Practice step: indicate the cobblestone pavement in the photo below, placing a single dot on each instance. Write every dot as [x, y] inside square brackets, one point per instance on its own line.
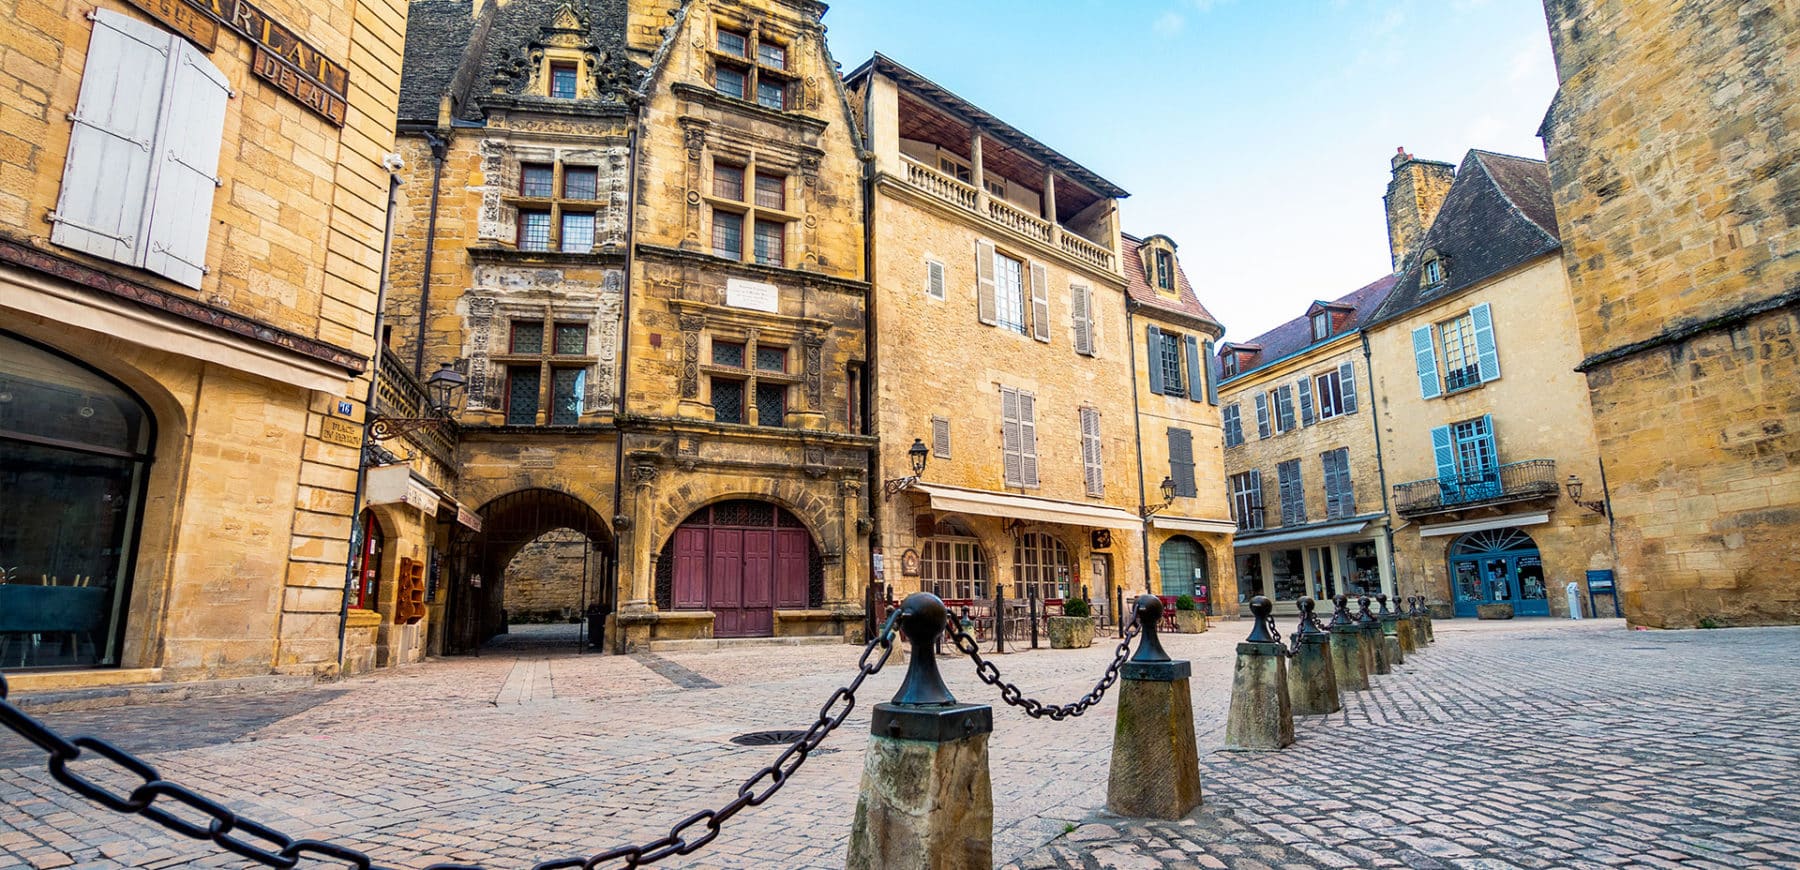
[1531, 744]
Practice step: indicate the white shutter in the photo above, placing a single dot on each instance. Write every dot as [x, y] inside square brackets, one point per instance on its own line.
[1090, 452]
[1081, 309]
[1040, 302]
[106, 179]
[984, 282]
[1009, 436]
[1028, 456]
[934, 279]
[940, 437]
[188, 164]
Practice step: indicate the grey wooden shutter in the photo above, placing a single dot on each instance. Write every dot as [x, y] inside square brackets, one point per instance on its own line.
[1347, 385]
[1292, 492]
[984, 282]
[1090, 452]
[1306, 402]
[940, 437]
[1081, 309]
[1009, 436]
[1234, 428]
[1028, 455]
[1339, 500]
[934, 279]
[1425, 360]
[1181, 462]
[1487, 354]
[182, 193]
[1256, 494]
[1212, 374]
[1196, 384]
[1153, 357]
[1262, 415]
[1040, 302]
[1284, 408]
[104, 200]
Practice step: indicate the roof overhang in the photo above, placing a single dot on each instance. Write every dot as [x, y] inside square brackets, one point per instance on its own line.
[982, 502]
[1307, 533]
[1467, 526]
[1193, 524]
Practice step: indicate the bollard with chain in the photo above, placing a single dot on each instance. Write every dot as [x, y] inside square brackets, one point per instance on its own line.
[1390, 631]
[1424, 608]
[1403, 628]
[1312, 681]
[1155, 763]
[1348, 666]
[1260, 716]
[1374, 650]
[926, 798]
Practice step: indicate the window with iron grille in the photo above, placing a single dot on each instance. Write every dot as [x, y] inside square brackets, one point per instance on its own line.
[571, 339]
[728, 400]
[581, 182]
[771, 404]
[728, 353]
[534, 231]
[527, 337]
[537, 180]
[728, 235]
[566, 395]
[548, 351]
[771, 358]
[522, 388]
[771, 237]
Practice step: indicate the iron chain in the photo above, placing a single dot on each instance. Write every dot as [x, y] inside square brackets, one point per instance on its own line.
[202, 818]
[989, 673]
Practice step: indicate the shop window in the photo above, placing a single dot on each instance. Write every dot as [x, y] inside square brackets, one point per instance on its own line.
[365, 567]
[952, 565]
[1041, 567]
[1287, 575]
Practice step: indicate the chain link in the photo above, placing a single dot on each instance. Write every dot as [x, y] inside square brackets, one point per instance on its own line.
[989, 673]
[206, 819]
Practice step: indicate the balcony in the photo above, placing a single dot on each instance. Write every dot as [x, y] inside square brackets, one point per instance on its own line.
[1518, 481]
[399, 394]
[1013, 218]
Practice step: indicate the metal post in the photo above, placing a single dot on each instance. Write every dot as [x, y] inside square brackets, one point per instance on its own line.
[1121, 611]
[1031, 599]
[999, 618]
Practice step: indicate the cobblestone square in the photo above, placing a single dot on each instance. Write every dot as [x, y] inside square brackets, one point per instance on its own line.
[1533, 743]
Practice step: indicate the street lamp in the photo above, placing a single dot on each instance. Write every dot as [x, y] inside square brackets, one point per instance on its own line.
[1168, 494]
[444, 388]
[1573, 485]
[918, 453]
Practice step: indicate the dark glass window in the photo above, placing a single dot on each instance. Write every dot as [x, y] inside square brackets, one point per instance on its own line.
[771, 359]
[771, 404]
[566, 388]
[728, 353]
[580, 182]
[728, 235]
[527, 337]
[1165, 270]
[522, 384]
[770, 236]
[534, 231]
[537, 179]
[770, 54]
[1171, 364]
[571, 339]
[734, 43]
[728, 400]
[562, 81]
[772, 95]
[728, 182]
[730, 82]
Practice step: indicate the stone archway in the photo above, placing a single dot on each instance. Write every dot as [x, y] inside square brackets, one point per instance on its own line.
[741, 560]
[511, 524]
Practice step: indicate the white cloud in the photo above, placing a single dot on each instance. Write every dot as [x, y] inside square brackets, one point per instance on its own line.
[1169, 24]
[1208, 5]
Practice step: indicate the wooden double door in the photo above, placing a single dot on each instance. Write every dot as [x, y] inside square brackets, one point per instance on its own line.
[741, 573]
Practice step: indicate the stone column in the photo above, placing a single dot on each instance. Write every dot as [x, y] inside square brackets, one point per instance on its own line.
[1347, 664]
[1260, 716]
[926, 801]
[1155, 760]
[1312, 681]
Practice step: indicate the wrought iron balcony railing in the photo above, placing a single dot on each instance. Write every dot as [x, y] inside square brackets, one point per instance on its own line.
[398, 393]
[1518, 481]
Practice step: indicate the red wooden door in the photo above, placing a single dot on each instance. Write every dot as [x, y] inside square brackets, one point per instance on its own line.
[725, 583]
[690, 569]
[758, 616]
[791, 576]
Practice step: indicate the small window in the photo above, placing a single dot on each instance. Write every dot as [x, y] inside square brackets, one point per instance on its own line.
[771, 359]
[1229, 364]
[728, 400]
[770, 247]
[771, 191]
[940, 437]
[1165, 270]
[522, 384]
[534, 231]
[730, 82]
[571, 339]
[954, 169]
[771, 404]
[728, 235]
[537, 180]
[728, 182]
[771, 55]
[1434, 272]
[566, 396]
[577, 232]
[934, 279]
[734, 43]
[527, 337]
[580, 182]
[1321, 325]
[996, 186]
[1173, 365]
[728, 353]
[562, 81]
[771, 95]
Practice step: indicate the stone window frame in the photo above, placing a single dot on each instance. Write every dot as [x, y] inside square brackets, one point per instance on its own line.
[753, 338]
[754, 163]
[547, 360]
[751, 65]
[558, 202]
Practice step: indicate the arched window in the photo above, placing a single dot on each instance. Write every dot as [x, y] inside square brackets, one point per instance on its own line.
[952, 565]
[74, 449]
[1183, 566]
[1040, 562]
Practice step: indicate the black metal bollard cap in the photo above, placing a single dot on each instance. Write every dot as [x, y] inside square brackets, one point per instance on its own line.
[1366, 615]
[922, 618]
[1309, 623]
[1382, 600]
[1149, 609]
[1260, 608]
[1340, 616]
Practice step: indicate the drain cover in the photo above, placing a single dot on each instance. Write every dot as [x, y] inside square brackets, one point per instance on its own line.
[767, 738]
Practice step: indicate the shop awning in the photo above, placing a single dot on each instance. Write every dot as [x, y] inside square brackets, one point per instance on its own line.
[1193, 524]
[1483, 525]
[398, 484]
[956, 499]
[1305, 533]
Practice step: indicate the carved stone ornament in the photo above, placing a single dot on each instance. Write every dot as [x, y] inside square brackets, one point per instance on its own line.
[690, 355]
[644, 475]
[813, 345]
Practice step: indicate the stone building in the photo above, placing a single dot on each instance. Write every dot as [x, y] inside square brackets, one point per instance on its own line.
[639, 234]
[1302, 453]
[1672, 146]
[1481, 414]
[191, 238]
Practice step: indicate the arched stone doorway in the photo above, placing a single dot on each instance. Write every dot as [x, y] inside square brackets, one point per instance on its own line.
[741, 559]
[75, 446]
[1498, 566]
[1181, 566]
[510, 524]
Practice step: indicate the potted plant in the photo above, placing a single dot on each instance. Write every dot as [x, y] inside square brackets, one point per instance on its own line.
[1074, 629]
[1188, 618]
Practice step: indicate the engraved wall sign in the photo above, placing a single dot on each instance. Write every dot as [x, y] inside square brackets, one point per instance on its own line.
[754, 295]
[285, 60]
[181, 17]
[303, 89]
[333, 430]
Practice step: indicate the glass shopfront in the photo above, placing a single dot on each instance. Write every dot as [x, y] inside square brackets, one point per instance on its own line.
[74, 450]
[1287, 573]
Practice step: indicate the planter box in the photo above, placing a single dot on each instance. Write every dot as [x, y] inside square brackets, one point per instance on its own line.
[1494, 611]
[1071, 632]
[1190, 621]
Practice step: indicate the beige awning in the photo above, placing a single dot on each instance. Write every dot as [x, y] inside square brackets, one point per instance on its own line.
[397, 484]
[956, 499]
[1484, 525]
[1193, 524]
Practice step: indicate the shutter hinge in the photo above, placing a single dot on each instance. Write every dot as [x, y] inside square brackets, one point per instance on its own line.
[161, 248]
[75, 118]
[56, 217]
[216, 180]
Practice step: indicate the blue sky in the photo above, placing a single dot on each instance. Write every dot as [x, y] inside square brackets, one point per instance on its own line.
[1256, 133]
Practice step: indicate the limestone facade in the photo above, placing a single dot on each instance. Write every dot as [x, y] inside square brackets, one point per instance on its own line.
[192, 226]
[1679, 253]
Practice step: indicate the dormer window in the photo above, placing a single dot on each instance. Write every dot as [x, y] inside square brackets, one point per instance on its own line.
[1229, 364]
[1433, 274]
[1321, 325]
[562, 81]
[1165, 270]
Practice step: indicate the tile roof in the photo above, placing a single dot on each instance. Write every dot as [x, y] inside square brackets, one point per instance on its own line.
[1497, 216]
[453, 49]
[1137, 284]
[1296, 335]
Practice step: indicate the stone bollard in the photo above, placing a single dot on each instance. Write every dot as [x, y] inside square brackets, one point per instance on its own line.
[926, 799]
[1403, 628]
[1312, 681]
[1390, 631]
[1424, 612]
[1260, 716]
[1347, 664]
[1155, 759]
[1377, 646]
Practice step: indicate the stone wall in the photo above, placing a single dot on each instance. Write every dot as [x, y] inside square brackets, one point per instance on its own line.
[1672, 149]
[545, 581]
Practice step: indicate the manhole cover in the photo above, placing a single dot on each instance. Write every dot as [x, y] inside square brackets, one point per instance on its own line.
[768, 738]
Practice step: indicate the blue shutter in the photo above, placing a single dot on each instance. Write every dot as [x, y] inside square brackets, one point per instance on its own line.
[1443, 449]
[1490, 457]
[1262, 415]
[1347, 382]
[1153, 341]
[1488, 356]
[1212, 375]
[1195, 381]
[1425, 357]
[1306, 402]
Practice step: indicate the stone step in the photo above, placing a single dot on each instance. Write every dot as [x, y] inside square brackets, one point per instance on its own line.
[99, 697]
[719, 643]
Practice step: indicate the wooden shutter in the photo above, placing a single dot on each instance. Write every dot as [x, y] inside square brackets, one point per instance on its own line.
[1196, 383]
[934, 279]
[1347, 387]
[112, 140]
[1306, 401]
[1262, 415]
[1490, 458]
[1090, 452]
[1153, 359]
[1040, 302]
[1256, 490]
[1443, 450]
[1081, 309]
[1009, 436]
[1212, 374]
[1234, 430]
[182, 198]
[1284, 489]
[1338, 497]
[940, 437]
[984, 282]
[1487, 355]
[1425, 359]
[1028, 456]
[1181, 462]
[1284, 408]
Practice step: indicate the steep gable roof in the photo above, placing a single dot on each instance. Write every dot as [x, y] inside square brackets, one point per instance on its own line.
[1137, 285]
[1497, 216]
[452, 49]
[1296, 335]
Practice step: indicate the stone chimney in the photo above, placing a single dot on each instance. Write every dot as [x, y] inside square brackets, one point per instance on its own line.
[1413, 198]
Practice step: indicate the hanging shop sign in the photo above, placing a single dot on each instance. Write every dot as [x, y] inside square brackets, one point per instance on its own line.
[182, 17]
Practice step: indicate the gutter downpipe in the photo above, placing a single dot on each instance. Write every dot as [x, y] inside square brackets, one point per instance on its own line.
[440, 148]
[362, 460]
[1380, 464]
[871, 370]
[1137, 431]
[618, 563]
